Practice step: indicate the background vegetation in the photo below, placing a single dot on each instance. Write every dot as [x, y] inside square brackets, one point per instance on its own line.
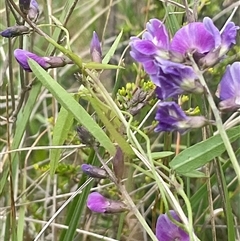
[36, 179]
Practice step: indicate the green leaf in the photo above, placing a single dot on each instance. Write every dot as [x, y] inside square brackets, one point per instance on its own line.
[60, 131]
[112, 50]
[162, 154]
[71, 105]
[110, 127]
[195, 174]
[198, 155]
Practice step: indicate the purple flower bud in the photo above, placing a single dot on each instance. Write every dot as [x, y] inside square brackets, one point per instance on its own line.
[229, 88]
[166, 230]
[95, 49]
[33, 12]
[99, 204]
[24, 5]
[22, 57]
[95, 172]
[15, 31]
[172, 118]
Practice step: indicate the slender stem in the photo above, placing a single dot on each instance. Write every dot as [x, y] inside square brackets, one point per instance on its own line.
[218, 120]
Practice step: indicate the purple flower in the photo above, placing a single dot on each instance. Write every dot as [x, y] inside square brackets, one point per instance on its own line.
[95, 172]
[166, 230]
[204, 40]
[174, 79]
[229, 88]
[172, 118]
[22, 57]
[201, 38]
[99, 204]
[95, 49]
[153, 45]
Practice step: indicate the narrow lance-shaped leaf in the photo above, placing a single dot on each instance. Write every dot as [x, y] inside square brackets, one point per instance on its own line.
[112, 50]
[71, 105]
[198, 155]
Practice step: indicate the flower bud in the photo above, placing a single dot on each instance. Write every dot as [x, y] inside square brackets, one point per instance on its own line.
[95, 172]
[95, 49]
[24, 6]
[15, 31]
[22, 57]
[33, 12]
[99, 204]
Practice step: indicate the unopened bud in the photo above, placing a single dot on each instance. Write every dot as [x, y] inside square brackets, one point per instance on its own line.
[22, 57]
[15, 31]
[99, 204]
[95, 172]
[24, 5]
[33, 12]
[95, 49]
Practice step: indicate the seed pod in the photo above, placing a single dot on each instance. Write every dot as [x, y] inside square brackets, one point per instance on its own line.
[118, 163]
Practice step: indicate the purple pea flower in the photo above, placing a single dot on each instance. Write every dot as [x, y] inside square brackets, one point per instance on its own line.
[166, 230]
[205, 40]
[174, 79]
[201, 38]
[229, 88]
[153, 45]
[95, 49]
[99, 204]
[22, 57]
[172, 118]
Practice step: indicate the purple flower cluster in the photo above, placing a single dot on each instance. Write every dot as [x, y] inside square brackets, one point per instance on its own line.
[169, 66]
